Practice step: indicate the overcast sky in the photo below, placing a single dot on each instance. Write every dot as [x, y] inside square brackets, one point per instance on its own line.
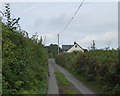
[94, 21]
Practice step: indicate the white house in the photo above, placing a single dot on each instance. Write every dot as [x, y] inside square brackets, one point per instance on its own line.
[71, 48]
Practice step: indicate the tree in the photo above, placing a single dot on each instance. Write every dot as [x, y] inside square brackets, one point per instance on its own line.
[41, 40]
[8, 14]
[35, 37]
[93, 45]
[53, 50]
[11, 22]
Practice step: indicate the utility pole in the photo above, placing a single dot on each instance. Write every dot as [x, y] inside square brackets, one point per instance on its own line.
[93, 45]
[58, 44]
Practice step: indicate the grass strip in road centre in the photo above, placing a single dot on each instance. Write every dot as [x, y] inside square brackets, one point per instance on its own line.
[65, 87]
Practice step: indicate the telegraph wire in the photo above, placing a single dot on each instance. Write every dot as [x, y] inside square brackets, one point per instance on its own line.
[72, 17]
[69, 22]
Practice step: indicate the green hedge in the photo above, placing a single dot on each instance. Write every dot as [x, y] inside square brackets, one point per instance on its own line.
[24, 64]
[99, 66]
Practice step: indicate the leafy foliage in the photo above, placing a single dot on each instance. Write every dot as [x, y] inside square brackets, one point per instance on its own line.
[101, 66]
[53, 50]
[24, 62]
[11, 22]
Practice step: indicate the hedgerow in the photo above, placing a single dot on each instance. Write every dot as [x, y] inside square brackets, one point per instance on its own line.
[101, 66]
[24, 64]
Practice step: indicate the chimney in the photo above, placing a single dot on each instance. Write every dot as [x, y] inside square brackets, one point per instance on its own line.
[75, 43]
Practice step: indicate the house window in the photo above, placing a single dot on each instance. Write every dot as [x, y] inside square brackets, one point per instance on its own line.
[75, 46]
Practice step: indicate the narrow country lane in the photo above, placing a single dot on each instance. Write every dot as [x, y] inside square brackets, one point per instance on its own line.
[52, 86]
[78, 85]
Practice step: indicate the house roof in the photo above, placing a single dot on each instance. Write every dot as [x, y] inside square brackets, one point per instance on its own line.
[79, 46]
[66, 47]
[82, 48]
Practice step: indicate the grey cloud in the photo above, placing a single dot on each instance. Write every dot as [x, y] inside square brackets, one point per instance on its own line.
[93, 20]
[52, 24]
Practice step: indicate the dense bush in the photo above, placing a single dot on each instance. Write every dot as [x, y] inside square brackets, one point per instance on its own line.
[53, 50]
[24, 62]
[99, 66]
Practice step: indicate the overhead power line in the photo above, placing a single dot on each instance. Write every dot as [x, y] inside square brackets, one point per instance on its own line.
[69, 22]
[73, 16]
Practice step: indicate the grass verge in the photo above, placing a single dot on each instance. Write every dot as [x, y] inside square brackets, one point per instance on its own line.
[94, 86]
[65, 87]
